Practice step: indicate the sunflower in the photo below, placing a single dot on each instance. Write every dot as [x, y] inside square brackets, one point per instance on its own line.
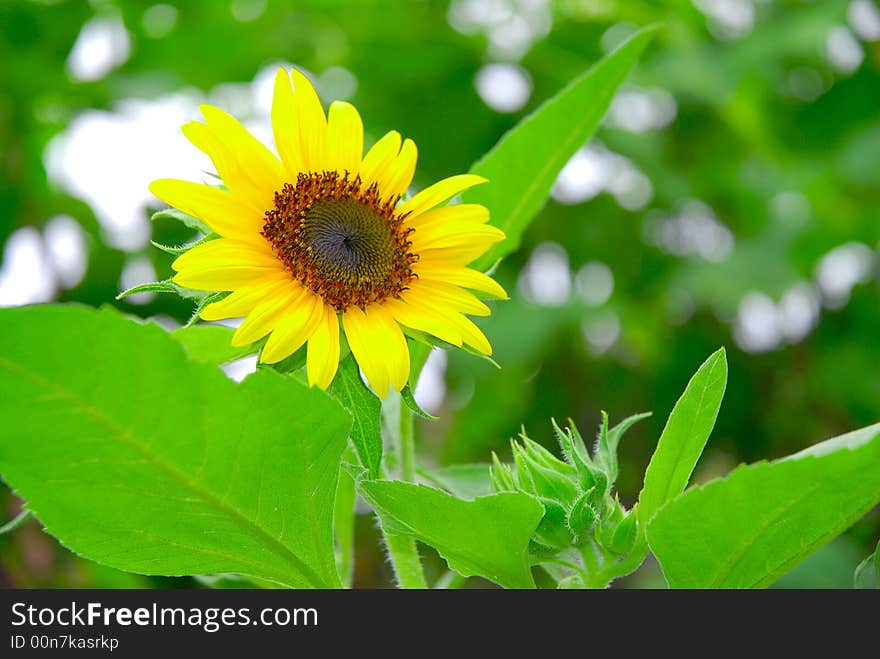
[319, 237]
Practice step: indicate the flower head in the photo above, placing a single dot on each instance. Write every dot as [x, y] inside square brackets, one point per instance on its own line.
[319, 236]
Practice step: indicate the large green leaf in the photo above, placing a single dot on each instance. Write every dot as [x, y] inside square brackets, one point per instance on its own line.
[748, 529]
[488, 536]
[211, 344]
[522, 167]
[684, 436]
[365, 408]
[136, 457]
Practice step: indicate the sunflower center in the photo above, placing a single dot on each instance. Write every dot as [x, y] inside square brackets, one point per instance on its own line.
[340, 240]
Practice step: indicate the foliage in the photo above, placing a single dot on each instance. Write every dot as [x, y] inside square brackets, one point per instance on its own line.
[732, 185]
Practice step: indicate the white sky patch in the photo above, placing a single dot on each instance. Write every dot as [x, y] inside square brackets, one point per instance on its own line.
[728, 19]
[245, 11]
[594, 283]
[511, 27]
[136, 271]
[756, 329]
[239, 369]
[843, 268]
[799, 311]
[66, 246]
[103, 44]
[594, 169]
[108, 159]
[864, 18]
[844, 51]
[503, 87]
[601, 332]
[639, 110]
[763, 326]
[26, 276]
[430, 389]
[791, 208]
[694, 231]
[546, 278]
[159, 20]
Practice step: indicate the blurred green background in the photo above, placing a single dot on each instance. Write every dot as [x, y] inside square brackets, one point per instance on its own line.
[732, 197]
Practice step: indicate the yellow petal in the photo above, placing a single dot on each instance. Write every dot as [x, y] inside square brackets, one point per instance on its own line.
[227, 251]
[470, 333]
[448, 295]
[221, 278]
[241, 302]
[454, 234]
[322, 358]
[423, 319]
[296, 326]
[476, 213]
[312, 124]
[391, 338]
[345, 134]
[285, 124]
[265, 317]
[251, 169]
[461, 255]
[439, 192]
[224, 265]
[379, 157]
[222, 212]
[465, 277]
[361, 335]
[398, 175]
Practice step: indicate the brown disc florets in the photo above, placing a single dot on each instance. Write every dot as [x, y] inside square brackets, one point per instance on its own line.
[340, 239]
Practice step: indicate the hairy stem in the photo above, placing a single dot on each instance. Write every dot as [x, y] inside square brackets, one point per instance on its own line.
[407, 444]
[402, 550]
[404, 556]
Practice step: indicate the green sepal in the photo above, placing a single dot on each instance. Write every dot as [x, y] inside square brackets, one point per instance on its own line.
[181, 249]
[610, 520]
[553, 530]
[609, 441]
[546, 482]
[503, 479]
[184, 218]
[625, 535]
[582, 517]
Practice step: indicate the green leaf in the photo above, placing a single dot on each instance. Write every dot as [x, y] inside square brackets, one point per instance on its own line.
[609, 441]
[165, 286]
[522, 167]
[343, 525]
[684, 437]
[418, 355]
[466, 481]
[487, 537]
[184, 218]
[410, 401]
[365, 408]
[748, 529]
[867, 575]
[139, 458]
[211, 344]
[181, 249]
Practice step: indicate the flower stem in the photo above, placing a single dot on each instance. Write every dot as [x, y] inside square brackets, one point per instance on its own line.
[407, 444]
[405, 560]
[402, 549]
